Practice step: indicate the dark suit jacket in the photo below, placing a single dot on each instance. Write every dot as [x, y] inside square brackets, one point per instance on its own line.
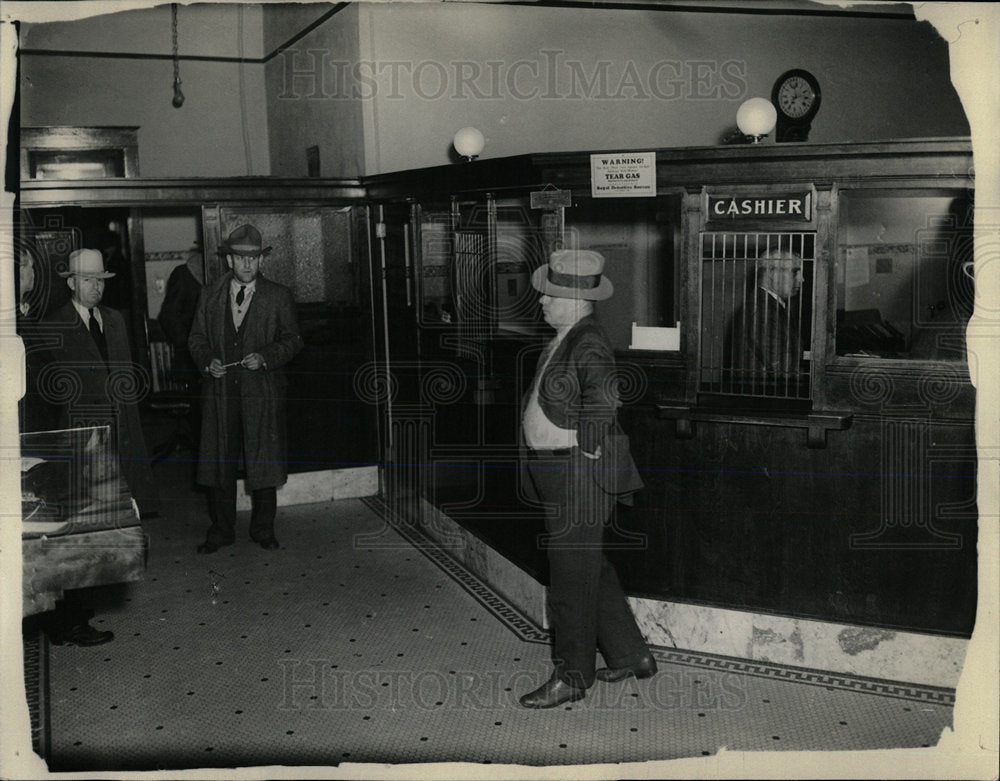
[579, 390]
[36, 414]
[269, 328]
[763, 346]
[89, 392]
[176, 316]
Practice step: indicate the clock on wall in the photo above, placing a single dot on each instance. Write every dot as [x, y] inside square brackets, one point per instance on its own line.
[796, 96]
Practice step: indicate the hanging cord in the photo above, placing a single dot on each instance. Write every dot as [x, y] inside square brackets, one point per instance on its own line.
[243, 93]
[178, 100]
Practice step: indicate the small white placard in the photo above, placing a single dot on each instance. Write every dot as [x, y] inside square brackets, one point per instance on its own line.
[623, 175]
[857, 268]
[650, 338]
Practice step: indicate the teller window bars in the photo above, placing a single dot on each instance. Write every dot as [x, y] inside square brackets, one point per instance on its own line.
[756, 314]
[474, 291]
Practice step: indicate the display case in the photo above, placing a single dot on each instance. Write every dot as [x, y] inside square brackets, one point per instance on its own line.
[79, 524]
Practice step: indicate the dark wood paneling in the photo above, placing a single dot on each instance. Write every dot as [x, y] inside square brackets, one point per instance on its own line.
[330, 425]
[169, 192]
[878, 527]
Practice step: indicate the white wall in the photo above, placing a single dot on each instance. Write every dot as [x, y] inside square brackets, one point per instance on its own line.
[881, 78]
[206, 136]
[524, 75]
[306, 105]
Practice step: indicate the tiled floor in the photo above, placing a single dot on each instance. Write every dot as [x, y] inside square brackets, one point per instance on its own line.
[350, 644]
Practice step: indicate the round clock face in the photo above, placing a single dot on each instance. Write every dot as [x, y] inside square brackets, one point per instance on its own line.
[795, 97]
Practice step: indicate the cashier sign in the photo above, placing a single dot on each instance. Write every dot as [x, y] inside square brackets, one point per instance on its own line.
[623, 175]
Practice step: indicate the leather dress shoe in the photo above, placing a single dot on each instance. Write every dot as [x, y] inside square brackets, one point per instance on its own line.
[211, 547]
[644, 668]
[269, 543]
[553, 692]
[80, 634]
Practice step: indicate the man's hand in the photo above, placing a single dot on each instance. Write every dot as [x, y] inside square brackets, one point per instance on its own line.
[216, 369]
[253, 361]
[592, 456]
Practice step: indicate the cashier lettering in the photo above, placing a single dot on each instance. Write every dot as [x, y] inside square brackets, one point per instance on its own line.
[760, 207]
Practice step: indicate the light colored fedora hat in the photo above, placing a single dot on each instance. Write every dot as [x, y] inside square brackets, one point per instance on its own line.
[573, 273]
[86, 263]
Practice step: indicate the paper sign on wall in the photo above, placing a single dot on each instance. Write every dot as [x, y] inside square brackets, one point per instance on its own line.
[623, 175]
[857, 268]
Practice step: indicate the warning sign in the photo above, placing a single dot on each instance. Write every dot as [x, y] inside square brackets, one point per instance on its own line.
[623, 175]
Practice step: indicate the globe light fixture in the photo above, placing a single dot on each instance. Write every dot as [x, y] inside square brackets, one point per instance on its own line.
[756, 118]
[469, 142]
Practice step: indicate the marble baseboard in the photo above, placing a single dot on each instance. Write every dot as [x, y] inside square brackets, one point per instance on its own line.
[908, 657]
[506, 578]
[905, 657]
[321, 486]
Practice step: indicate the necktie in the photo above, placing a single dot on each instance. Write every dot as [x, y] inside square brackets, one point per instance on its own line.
[240, 295]
[97, 334]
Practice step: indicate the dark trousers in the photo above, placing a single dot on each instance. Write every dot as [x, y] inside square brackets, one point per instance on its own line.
[68, 613]
[587, 607]
[264, 501]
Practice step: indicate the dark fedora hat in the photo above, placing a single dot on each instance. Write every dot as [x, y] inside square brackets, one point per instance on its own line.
[245, 240]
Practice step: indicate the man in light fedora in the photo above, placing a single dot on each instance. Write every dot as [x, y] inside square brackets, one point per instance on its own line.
[93, 339]
[91, 379]
[578, 465]
[244, 332]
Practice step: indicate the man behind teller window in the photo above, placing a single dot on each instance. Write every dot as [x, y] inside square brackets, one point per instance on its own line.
[578, 464]
[762, 351]
[244, 333]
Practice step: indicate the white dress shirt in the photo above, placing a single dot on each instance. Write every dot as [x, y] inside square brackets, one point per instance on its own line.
[240, 310]
[539, 431]
[85, 314]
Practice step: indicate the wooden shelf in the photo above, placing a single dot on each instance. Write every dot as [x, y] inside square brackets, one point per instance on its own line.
[816, 424]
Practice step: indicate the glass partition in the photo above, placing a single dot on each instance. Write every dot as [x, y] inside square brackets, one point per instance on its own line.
[639, 239]
[904, 274]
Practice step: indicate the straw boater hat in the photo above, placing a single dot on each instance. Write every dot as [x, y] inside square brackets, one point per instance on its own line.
[245, 240]
[573, 273]
[86, 263]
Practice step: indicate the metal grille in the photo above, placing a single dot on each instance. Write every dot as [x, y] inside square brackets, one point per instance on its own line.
[474, 290]
[756, 313]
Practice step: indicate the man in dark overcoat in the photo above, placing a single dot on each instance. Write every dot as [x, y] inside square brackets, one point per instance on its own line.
[91, 380]
[244, 332]
[177, 314]
[90, 376]
[578, 465]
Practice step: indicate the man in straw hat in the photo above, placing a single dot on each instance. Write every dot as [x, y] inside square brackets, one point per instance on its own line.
[88, 343]
[578, 464]
[244, 333]
[93, 344]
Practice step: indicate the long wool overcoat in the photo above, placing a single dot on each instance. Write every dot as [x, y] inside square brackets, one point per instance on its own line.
[87, 391]
[269, 328]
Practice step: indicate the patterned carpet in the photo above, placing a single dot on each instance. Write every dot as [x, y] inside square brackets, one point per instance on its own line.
[338, 649]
